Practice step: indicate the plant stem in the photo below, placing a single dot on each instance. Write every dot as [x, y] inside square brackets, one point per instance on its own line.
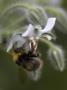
[49, 43]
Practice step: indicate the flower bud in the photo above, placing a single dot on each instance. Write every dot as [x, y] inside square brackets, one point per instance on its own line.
[56, 57]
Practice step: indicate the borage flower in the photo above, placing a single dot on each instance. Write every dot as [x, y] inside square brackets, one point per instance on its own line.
[35, 32]
[28, 41]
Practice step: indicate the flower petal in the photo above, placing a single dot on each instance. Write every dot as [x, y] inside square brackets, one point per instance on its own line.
[9, 47]
[17, 38]
[29, 31]
[49, 26]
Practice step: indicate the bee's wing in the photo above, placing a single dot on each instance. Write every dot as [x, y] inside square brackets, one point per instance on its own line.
[35, 75]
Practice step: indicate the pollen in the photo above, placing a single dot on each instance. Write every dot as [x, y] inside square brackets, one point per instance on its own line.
[15, 56]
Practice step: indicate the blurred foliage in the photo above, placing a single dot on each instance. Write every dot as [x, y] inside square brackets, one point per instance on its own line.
[15, 15]
[64, 4]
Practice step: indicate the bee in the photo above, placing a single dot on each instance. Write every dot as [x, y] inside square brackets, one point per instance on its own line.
[30, 60]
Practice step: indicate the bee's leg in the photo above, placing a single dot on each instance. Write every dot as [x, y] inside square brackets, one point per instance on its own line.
[18, 62]
[36, 54]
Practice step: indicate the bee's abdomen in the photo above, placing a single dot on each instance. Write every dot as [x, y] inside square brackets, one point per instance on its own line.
[32, 64]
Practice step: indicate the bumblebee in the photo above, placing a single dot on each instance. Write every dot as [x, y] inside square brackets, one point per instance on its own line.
[28, 58]
[28, 61]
